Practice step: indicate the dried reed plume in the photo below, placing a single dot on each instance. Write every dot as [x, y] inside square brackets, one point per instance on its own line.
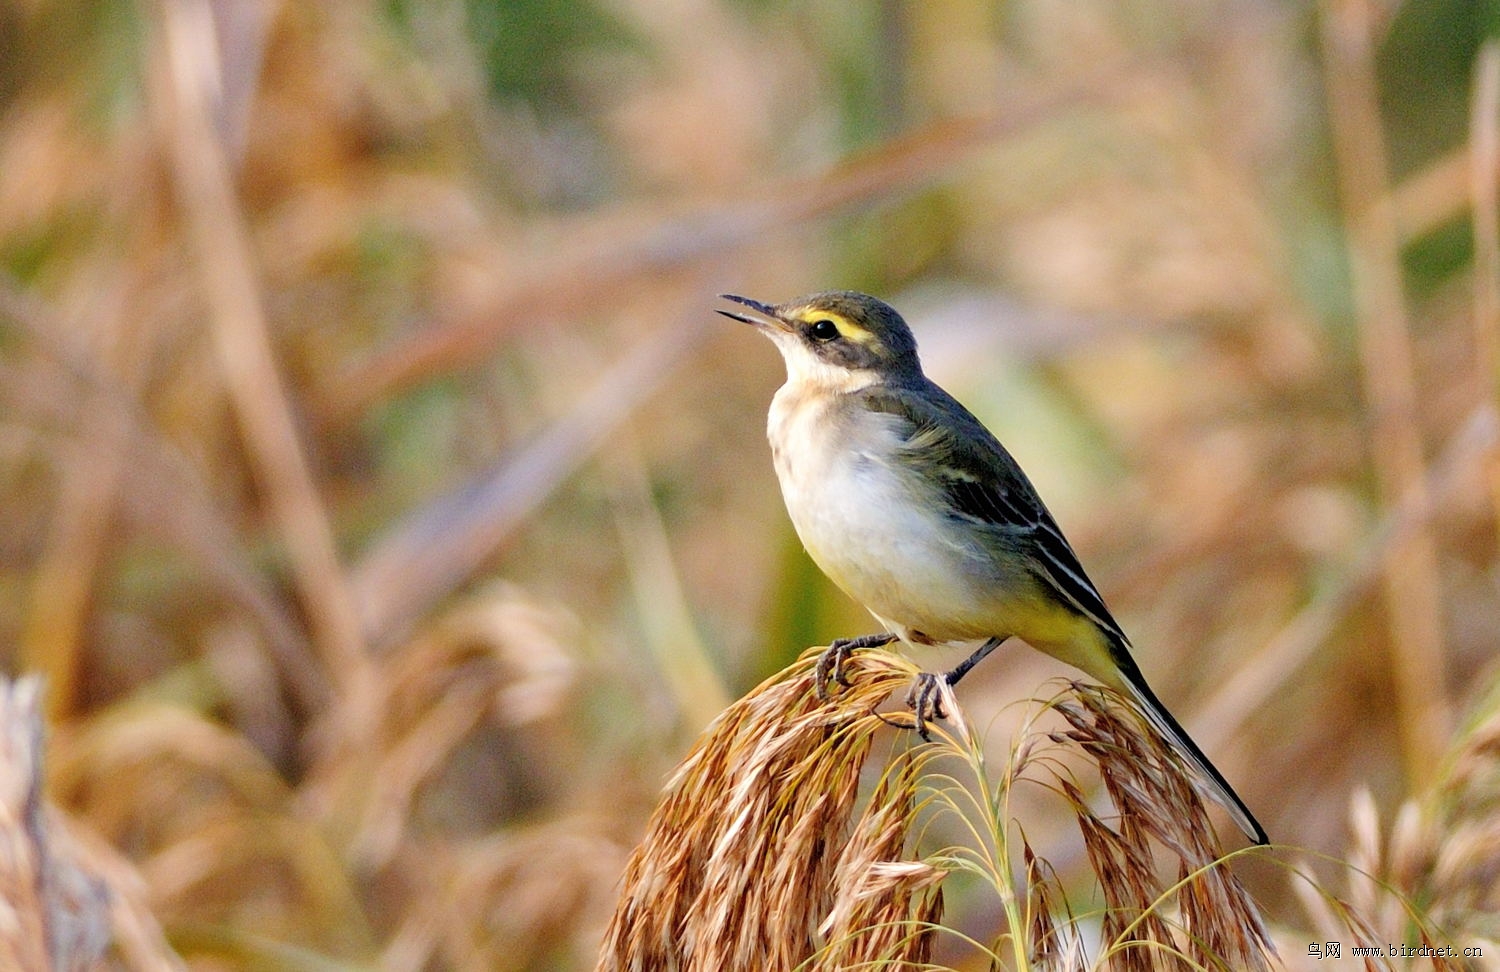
[1217, 923]
[1463, 872]
[1430, 877]
[754, 859]
[762, 854]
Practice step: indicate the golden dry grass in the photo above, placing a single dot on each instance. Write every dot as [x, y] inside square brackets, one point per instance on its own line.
[765, 853]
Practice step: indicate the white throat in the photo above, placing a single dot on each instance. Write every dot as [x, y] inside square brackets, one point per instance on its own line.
[806, 373]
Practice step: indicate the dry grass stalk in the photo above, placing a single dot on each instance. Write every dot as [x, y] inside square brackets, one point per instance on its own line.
[61, 899]
[755, 859]
[1413, 589]
[240, 328]
[1218, 924]
[51, 915]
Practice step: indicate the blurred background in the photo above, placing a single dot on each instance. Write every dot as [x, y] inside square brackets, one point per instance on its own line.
[388, 510]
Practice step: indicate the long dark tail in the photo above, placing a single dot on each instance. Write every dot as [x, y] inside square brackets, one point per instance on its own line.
[1161, 720]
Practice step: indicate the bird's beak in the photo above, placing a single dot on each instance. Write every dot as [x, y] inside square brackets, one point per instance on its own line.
[765, 317]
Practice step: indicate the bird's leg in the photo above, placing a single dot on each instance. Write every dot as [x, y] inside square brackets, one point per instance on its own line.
[831, 663]
[962, 668]
[925, 697]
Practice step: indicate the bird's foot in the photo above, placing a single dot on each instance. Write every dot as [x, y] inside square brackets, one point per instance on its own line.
[830, 667]
[925, 699]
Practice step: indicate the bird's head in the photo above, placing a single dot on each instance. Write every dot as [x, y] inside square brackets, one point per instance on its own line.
[838, 340]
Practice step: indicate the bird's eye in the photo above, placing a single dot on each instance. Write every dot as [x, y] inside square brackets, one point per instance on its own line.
[824, 330]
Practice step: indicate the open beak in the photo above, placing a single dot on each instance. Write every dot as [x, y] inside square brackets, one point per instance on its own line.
[766, 316]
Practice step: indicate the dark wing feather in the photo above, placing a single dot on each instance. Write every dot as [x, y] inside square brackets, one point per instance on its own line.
[985, 484]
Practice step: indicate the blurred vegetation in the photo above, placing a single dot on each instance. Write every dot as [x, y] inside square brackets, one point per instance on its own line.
[387, 510]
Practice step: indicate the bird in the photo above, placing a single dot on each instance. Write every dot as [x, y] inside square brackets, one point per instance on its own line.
[915, 510]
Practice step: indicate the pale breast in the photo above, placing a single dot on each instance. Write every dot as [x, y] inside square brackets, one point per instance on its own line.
[876, 528]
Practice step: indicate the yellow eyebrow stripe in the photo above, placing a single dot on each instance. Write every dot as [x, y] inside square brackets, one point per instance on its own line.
[847, 328]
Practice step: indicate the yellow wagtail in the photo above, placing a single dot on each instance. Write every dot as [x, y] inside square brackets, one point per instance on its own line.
[916, 511]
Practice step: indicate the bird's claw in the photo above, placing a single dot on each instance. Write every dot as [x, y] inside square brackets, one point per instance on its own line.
[830, 668]
[925, 699]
